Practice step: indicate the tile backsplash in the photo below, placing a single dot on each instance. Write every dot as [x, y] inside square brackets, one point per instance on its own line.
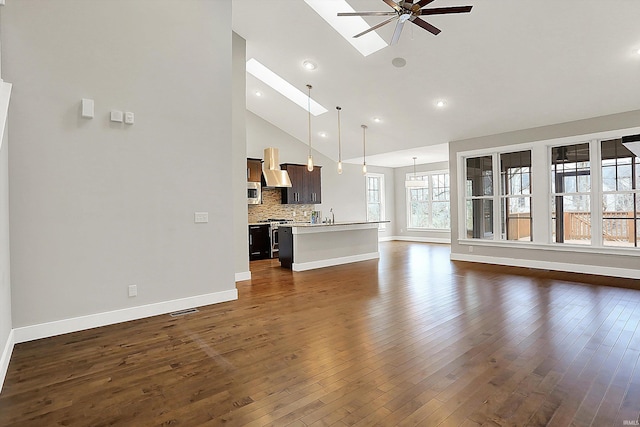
[272, 207]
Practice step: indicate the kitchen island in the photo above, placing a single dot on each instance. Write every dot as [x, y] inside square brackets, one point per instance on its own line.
[305, 246]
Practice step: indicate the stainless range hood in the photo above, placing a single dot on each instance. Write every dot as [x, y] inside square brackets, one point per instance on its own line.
[273, 175]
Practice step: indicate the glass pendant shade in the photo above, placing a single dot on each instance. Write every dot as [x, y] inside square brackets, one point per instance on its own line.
[414, 182]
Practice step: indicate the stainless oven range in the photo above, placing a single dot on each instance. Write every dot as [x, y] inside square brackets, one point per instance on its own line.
[273, 226]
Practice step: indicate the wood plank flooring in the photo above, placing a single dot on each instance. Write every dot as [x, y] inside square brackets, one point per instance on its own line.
[411, 339]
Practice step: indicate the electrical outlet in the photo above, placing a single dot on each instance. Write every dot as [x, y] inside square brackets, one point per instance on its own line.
[133, 290]
[470, 248]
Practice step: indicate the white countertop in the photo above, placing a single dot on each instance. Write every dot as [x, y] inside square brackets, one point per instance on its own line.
[333, 224]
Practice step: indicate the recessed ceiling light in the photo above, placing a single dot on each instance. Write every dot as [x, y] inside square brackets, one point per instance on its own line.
[309, 65]
[440, 103]
[279, 84]
[399, 62]
[258, 93]
[638, 51]
[377, 119]
[348, 26]
[323, 134]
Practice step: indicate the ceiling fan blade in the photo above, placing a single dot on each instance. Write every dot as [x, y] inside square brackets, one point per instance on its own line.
[423, 3]
[366, 13]
[445, 10]
[397, 31]
[394, 5]
[375, 27]
[424, 24]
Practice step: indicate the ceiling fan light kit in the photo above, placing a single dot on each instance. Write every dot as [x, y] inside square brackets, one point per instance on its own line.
[407, 10]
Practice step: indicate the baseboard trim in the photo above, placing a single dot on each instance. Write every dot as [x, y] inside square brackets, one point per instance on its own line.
[423, 239]
[546, 265]
[49, 329]
[243, 275]
[6, 358]
[304, 266]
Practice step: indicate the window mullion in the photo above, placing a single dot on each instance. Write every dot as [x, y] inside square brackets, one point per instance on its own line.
[596, 193]
[497, 207]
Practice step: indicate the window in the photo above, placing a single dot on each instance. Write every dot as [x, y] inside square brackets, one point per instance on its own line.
[479, 197]
[571, 190]
[428, 206]
[375, 197]
[515, 180]
[620, 201]
[513, 173]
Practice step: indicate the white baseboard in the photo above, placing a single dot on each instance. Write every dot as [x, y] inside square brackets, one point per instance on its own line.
[6, 357]
[423, 239]
[547, 265]
[49, 329]
[243, 275]
[304, 266]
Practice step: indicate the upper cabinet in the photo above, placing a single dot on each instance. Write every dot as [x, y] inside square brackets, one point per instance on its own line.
[306, 187]
[254, 170]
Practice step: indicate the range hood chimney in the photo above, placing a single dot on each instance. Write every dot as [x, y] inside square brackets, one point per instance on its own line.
[273, 175]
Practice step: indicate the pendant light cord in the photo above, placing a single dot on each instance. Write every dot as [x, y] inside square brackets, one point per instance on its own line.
[309, 111]
[339, 141]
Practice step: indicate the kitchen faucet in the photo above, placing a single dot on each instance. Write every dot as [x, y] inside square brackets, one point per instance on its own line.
[333, 216]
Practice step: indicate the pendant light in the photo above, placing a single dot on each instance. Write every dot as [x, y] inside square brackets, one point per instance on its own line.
[339, 144]
[310, 158]
[364, 150]
[414, 182]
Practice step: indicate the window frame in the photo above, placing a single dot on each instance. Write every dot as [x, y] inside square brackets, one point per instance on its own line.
[430, 201]
[382, 190]
[541, 191]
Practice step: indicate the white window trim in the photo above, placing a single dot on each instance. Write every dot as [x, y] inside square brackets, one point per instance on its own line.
[407, 201]
[541, 209]
[383, 205]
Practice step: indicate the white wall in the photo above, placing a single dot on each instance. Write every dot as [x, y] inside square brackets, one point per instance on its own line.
[239, 138]
[548, 256]
[438, 236]
[97, 205]
[344, 193]
[6, 344]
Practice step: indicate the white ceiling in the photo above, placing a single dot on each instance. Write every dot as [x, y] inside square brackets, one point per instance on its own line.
[504, 66]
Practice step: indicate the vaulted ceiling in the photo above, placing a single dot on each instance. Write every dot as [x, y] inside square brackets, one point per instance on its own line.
[504, 66]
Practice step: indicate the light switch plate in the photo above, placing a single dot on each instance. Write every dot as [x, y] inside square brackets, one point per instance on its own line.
[128, 118]
[87, 108]
[116, 116]
[200, 217]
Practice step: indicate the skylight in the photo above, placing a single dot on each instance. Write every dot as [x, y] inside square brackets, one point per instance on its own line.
[276, 82]
[348, 26]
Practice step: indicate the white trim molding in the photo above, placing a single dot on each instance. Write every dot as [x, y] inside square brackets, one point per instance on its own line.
[58, 327]
[6, 357]
[304, 266]
[243, 275]
[547, 265]
[423, 239]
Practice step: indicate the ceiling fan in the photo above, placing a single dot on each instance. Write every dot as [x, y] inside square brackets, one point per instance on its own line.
[407, 10]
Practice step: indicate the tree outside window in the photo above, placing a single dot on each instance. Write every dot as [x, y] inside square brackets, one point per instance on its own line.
[428, 206]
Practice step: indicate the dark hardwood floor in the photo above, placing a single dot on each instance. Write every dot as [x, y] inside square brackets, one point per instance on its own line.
[410, 339]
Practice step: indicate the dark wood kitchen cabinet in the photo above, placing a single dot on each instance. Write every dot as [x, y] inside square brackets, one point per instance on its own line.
[254, 170]
[306, 187]
[259, 242]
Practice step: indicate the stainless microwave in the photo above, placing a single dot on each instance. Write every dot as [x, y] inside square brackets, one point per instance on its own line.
[254, 193]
